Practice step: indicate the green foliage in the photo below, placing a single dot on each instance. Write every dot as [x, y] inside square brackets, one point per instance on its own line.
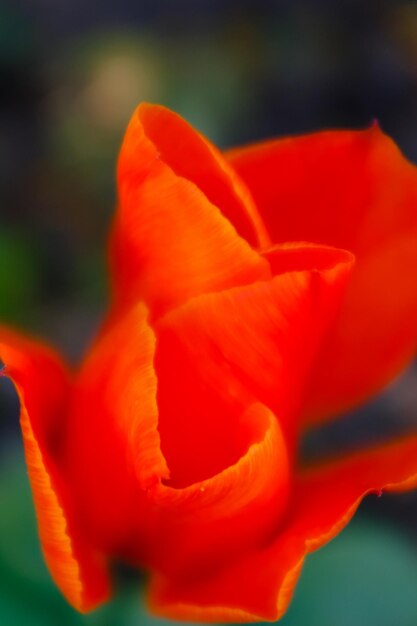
[19, 276]
[366, 577]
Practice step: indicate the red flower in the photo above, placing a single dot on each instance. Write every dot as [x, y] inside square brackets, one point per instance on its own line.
[175, 446]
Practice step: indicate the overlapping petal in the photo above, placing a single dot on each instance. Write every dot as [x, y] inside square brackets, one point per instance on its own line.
[113, 442]
[42, 384]
[129, 505]
[356, 191]
[200, 527]
[193, 157]
[172, 238]
[221, 352]
[324, 499]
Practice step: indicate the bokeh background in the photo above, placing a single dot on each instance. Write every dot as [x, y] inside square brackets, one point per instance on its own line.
[71, 73]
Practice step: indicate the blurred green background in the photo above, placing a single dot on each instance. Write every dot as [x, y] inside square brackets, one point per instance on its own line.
[71, 74]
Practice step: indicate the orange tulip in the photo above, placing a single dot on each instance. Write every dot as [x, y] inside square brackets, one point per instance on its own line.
[253, 294]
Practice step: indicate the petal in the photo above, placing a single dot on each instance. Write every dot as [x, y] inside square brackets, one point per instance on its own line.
[353, 190]
[374, 336]
[193, 157]
[221, 352]
[304, 257]
[113, 442]
[42, 383]
[200, 527]
[260, 586]
[130, 506]
[170, 240]
[322, 187]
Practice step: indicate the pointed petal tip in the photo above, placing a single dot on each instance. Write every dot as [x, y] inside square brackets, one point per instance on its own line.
[163, 157]
[42, 384]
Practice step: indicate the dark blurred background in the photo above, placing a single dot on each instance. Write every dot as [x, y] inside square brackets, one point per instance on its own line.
[71, 73]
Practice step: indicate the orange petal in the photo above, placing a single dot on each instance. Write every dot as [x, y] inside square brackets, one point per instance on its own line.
[131, 507]
[42, 383]
[220, 352]
[352, 190]
[260, 586]
[170, 240]
[304, 257]
[210, 522]
[193, 157]
[113, 441]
